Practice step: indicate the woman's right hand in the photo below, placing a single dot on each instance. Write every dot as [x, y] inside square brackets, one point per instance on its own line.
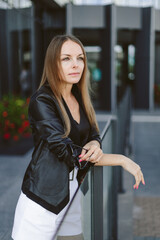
[135, 170]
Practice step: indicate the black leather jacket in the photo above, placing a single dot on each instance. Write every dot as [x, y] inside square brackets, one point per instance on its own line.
[46, 179]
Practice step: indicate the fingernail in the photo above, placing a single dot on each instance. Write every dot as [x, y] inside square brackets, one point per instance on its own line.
[80, 160]
[80, 155]
[144, 183]
[137, 187]
[134, 187]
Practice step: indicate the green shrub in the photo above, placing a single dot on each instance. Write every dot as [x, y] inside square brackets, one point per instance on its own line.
[14, 124]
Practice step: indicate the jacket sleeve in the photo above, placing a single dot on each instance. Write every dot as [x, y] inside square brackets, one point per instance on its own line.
[94, 135]
[47, 122]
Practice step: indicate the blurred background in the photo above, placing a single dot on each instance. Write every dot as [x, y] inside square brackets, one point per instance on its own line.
[122, 41]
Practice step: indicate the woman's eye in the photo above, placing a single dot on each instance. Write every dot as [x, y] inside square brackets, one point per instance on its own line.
[65, 59]
[81, 58]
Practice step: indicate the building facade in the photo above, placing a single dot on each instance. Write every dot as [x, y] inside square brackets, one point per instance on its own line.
[122, 45]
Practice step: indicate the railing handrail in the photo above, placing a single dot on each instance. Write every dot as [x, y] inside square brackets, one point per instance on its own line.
[102, 135]
[106, 128]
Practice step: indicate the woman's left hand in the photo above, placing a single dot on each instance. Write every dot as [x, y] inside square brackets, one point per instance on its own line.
[135, 170]
[93, 154]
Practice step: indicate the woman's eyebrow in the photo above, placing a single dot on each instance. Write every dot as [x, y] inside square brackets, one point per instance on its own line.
[70, 55]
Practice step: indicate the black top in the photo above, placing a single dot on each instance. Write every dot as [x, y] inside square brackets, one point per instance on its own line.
[78, 130]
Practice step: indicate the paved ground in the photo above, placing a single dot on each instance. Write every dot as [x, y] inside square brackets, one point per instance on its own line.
[139, 210]
[146, 210]
[11, 174]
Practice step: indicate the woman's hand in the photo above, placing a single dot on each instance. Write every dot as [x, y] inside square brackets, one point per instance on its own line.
[93, 154]
[135, 170]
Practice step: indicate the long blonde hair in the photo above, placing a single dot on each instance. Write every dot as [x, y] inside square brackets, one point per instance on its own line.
[51, 73]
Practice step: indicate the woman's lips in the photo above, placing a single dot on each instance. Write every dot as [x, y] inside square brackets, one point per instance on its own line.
[74, 74]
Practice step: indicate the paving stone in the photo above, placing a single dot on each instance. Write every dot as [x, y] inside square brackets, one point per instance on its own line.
[5, 235]
[138, 238]
[11, 174]
[146, 216]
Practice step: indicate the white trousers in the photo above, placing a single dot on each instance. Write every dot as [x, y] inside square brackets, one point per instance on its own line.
[33, 222]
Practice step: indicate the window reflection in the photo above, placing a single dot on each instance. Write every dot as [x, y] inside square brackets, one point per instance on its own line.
[15, 4]
[15, 39]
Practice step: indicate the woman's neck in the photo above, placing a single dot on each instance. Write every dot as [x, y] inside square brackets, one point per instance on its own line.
[66, 91]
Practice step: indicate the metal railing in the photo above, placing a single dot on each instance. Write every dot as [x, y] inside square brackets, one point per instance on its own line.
[100, 187]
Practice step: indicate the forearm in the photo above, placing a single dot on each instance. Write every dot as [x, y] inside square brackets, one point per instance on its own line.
[111, 160]
[117, 160]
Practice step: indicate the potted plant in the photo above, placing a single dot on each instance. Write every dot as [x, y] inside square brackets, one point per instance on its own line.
[14, 124]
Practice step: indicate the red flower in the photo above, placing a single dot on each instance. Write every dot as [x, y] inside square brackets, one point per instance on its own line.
[25, 123]
[20, 130]
[5, 114]
[28, 100]
[6, 136]
[15, 138]
[12, 125]
[23, 116]
[7, 122]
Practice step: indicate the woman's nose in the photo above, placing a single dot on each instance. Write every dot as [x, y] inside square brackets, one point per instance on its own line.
[75, 64]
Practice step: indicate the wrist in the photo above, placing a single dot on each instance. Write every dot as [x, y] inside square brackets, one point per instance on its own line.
[123, 161]
[94, 142]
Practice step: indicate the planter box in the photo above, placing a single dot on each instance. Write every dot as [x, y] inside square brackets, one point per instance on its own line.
[16, 148]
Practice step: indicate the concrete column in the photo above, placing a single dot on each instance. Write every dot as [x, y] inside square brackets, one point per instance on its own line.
[9, 51]
[109, 39]
[69, 18]
[37, 45]
[3, 55]
[145, 59]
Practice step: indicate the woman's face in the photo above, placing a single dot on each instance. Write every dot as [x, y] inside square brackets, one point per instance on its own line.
[72, 62]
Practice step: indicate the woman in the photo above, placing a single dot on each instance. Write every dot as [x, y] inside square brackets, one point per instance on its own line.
[67, 143]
